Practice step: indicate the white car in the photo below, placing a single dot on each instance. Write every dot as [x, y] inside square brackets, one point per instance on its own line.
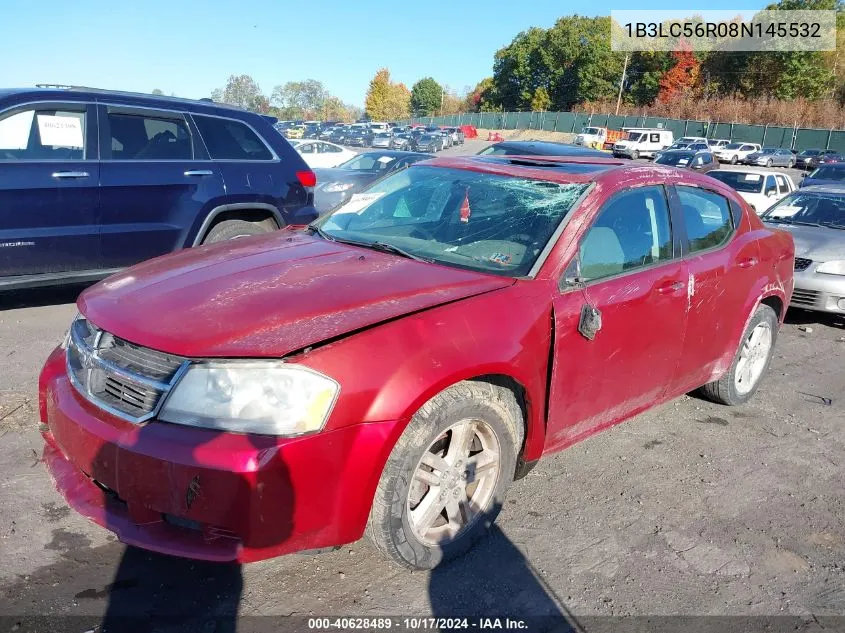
[734, 152]
[761, 188]
[718, 143]
[321, 153]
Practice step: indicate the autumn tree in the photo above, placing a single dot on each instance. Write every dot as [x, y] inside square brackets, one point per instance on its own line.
[682, 77]
[300, 99]
[482, 98]
[541, 101]
[385, 100]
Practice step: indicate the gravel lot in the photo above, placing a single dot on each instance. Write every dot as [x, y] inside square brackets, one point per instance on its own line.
[691, 509]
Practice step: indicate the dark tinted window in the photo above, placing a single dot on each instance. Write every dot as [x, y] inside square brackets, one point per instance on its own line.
[707, 217]
[828, 173]
[231, 140]
[149, 138]
[42, 135]
[631, 231]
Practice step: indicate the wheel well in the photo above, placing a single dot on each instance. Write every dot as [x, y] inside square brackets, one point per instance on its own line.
[507, 382]
[776, 304]
[259, 216]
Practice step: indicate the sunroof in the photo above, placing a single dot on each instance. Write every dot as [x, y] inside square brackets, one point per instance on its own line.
[568, 167]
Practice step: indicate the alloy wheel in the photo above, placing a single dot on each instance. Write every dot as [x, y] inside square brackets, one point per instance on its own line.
[753, 358]
[454, 481]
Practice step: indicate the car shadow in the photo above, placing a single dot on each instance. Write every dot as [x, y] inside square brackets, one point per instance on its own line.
[40, 297]
[495, 580]
[797, 316]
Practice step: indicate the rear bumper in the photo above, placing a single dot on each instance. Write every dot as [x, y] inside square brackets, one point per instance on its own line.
[205, 494]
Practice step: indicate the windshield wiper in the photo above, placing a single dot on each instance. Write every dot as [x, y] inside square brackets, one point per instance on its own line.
[316, 229]
[390, 248]
[791, 221]
[833, 225]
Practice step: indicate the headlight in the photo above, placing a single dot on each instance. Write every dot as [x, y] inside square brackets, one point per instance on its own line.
[836, 267]
[264, 397]
[337, 187]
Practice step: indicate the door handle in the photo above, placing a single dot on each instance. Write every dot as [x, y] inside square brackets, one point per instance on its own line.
[672, 287]
[199, 172]
[70, 174]
[747, 263]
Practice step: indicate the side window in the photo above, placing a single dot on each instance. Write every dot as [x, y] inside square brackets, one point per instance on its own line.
[782, 186]
[307, 148]
[698, 160]
[631, 231]
[149, 138]
[330, 149]
[770, 185]
[655, 138]
[707, 217]
[227, 139]
[43, 134]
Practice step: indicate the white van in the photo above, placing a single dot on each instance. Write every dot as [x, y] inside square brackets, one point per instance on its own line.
[379, 126]
[643, 142]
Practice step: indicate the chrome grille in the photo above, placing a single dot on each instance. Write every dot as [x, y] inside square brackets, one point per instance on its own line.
[121, 377]
[802, 263]
[804, 297]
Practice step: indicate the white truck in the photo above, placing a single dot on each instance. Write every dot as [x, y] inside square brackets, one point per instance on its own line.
[643, 142]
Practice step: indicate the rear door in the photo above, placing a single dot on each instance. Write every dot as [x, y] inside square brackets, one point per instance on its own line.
[252, 170]
[48, 189]
[635, 277]
[723, 261]
[155, 180]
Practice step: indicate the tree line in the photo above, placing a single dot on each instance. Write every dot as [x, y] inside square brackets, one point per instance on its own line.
[571, 66]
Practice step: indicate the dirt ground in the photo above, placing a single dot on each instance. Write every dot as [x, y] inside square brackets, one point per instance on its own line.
[692, 509]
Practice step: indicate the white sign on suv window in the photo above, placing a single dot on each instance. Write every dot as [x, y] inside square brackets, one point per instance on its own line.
[60, 131]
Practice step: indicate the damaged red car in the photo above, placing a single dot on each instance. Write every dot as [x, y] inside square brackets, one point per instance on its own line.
[395, 367]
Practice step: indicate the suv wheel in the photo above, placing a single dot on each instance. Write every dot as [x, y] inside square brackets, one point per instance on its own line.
[233, 229]
[750, 363]
[734, 159]
[445, 480]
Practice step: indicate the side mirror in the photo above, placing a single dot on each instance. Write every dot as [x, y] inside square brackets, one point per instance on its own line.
[571, 276]
[771, 193]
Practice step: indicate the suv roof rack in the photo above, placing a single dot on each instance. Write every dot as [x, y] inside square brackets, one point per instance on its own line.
[128, 93]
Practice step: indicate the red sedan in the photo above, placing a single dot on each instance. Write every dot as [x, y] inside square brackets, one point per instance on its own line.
[396, 367]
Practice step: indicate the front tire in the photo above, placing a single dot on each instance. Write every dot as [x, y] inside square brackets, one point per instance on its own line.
[445, 480]
[750, 363]
[769, 163]
[734, 160]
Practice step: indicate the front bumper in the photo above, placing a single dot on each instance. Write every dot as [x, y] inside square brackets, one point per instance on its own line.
[814, 291]
[206, 494]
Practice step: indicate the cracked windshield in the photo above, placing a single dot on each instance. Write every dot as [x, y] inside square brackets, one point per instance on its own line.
[455, 217]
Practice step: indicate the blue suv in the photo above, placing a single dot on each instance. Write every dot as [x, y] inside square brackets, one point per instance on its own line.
[92, 181]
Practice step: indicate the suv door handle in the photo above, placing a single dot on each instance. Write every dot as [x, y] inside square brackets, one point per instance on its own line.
[70, 174]
[747, 263]
[199, 172]
[671, 287]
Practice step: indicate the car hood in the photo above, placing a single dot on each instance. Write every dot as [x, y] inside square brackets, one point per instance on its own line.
[269, 296]
[818, 243]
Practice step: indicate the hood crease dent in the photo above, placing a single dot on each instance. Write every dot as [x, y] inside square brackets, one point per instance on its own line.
[269, 296]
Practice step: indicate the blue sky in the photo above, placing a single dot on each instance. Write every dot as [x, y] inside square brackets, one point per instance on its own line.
[191, 48]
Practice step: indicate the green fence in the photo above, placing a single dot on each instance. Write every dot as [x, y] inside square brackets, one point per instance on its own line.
[573, 122]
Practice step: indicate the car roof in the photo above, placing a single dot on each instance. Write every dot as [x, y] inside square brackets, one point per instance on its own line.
[549, 148]
[750, 170]
[560, 169]
[59, 92]
[831, 188]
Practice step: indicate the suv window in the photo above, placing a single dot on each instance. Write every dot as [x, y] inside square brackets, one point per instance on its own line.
[631, 231]
[227, 139]
[43, 134]
[707, 217]
[136, 137]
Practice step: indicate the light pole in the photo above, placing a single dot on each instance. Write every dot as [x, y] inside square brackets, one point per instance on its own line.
[621, 83]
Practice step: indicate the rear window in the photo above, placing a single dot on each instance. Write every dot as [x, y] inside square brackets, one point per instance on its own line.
[739, 180]
[227, 139]
[827, 172]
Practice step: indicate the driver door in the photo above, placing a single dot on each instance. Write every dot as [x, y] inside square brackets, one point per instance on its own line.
[629, 268]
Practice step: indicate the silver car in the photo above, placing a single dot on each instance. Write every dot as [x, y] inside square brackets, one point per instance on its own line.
[771, 156]
[816, 218]
[382, 139]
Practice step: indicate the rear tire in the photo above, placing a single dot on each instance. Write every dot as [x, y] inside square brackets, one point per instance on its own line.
[233, 229]
[750, 363]
[769, 163]
[461, 446]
